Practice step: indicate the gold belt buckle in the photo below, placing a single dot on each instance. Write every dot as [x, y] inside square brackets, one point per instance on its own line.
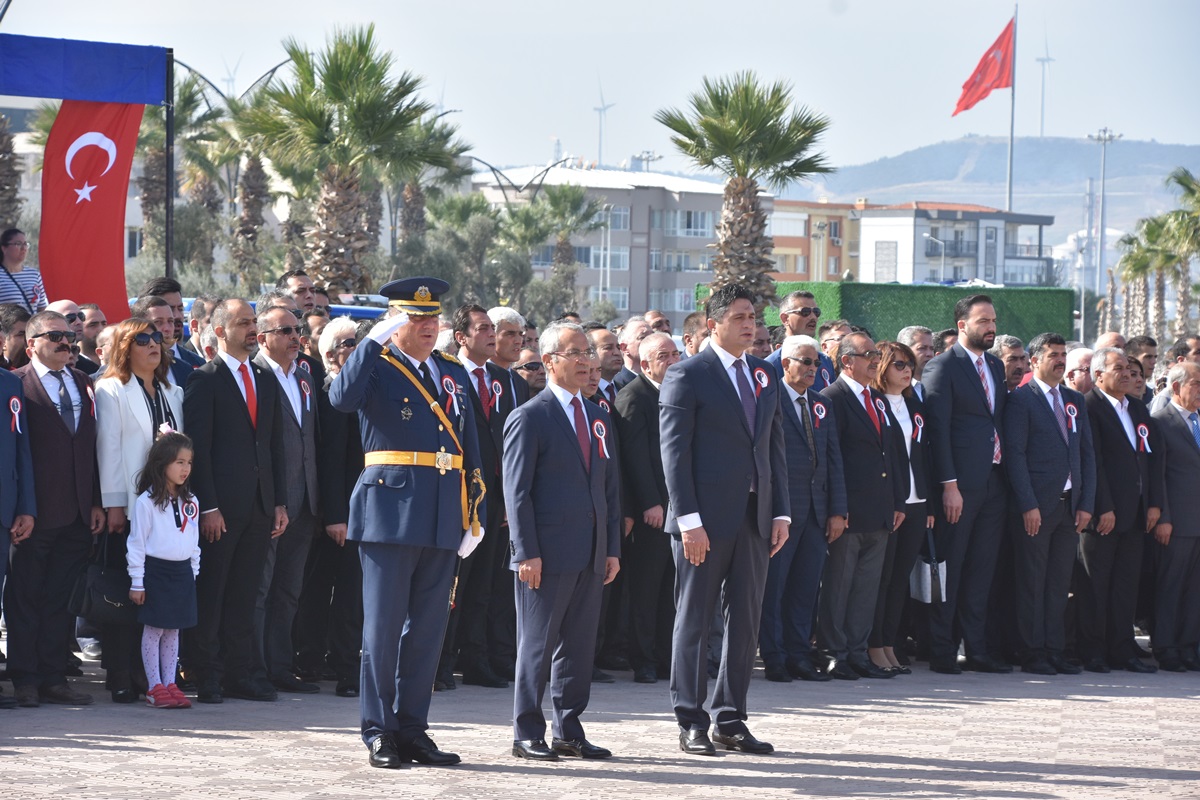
[443, 461]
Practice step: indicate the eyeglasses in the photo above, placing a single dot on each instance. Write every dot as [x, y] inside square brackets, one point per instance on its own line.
[346, 343]
[22, 245]
[808, 362]
[815, 311]
[56, 336]
[577, 355]
[73, 317]
[871, 354]
[286, 330]
[530, 366]
[831, 340]
[903, 365]
[144, 339]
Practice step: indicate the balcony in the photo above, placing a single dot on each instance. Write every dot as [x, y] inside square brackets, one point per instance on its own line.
[955, 248]
[1027, 251]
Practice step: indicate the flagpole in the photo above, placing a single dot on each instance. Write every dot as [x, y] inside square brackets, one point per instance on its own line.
[1012, 115]
[169, 210]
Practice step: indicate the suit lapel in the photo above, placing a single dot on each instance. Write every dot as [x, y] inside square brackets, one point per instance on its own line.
[36, 390]
[560, 416]
[860, 412]
[725, 387]
[226, 375]
[135, 400]
[968, 367]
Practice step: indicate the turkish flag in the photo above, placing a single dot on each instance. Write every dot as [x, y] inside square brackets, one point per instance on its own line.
[85, 183]
[995, 71]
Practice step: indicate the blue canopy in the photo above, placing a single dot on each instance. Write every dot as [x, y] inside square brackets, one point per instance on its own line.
[32, 66]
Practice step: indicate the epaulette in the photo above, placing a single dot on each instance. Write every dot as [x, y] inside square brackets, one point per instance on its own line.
[447, 357]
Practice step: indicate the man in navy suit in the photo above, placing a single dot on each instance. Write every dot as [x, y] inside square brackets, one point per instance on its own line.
[18, 506]
[562, 492]
[964, 398]
[817, 490]
[799, 314]
[412, 511]
[1052, 469]
[725, 462]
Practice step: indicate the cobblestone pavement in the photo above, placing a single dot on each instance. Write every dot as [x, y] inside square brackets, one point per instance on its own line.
[918, 736]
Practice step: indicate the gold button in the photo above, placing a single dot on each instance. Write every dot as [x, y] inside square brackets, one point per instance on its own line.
[406, 399]
[440, 428]
[442, 449]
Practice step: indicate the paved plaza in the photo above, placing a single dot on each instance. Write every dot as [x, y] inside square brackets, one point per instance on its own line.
[920, 736]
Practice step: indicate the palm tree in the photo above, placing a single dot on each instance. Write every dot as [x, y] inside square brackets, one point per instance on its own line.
[435, 166]
[341, 117]
[10, 178]
[1183, 227]
[1151, 250]
[750, 133]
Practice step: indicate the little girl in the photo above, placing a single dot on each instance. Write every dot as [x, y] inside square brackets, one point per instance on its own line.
[164, 559]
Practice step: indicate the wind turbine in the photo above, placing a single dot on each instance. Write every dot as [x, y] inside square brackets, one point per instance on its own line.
[601, 110]
[1045, 62]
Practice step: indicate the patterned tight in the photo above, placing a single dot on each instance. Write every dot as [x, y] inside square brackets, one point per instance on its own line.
[160, 653]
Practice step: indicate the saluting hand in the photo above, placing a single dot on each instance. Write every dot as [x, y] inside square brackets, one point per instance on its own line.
[695, 545]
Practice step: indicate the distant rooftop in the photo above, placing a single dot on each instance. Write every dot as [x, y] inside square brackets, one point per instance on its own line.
[602, 179]
[926, 205]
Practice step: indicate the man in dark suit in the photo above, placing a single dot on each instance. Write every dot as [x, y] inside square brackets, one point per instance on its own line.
[632, 333]
[964, 397]
[649, 567]
[1177, 603]
[1052, 470]
[74, 316]
[608, 351]
[877, 495]
[231, 407]
[169, 289]
[919, 339]
[724, 458]
[817, 490]
[563, 497]
[799, 315]
[18, 505]
[279, 596]
[61, 424]
[1129, 497]
[416, 507]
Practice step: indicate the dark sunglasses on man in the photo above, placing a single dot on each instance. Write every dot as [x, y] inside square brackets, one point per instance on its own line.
[73, 317]
[808, 362]
[144, 338]
[530, 366]
[55, 336]
[815, 311]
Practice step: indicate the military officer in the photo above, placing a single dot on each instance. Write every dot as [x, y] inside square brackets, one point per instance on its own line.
[416, 504]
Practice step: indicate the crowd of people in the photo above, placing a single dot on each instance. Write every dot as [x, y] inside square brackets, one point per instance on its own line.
[451, 495]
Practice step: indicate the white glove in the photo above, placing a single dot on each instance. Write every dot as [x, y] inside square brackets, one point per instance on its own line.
[384, 329]
[469, 543]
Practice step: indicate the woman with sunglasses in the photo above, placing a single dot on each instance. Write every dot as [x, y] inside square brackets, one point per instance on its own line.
[135, 400]
[19, 284]
[894, 379]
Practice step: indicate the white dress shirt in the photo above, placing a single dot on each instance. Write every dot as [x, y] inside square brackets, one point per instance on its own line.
[564, 399]
[987, 372]
[900, 412]
[235, 367]
[1122, 408]
[52, 386]
[287, 382]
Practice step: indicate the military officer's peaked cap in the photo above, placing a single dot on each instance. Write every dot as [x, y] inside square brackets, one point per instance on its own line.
[420, 297]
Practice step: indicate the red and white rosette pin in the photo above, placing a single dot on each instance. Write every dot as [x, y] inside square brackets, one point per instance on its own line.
[819, 413]
[882, 409]
[1143, 438]
[761, 379]
[601, 432]
[918, 427]
[604, 404]
[92, 398]
[190, 512]
[307, 390]
[14, 405]
[497, 390]
[451, 390]
[825, 375]
[1072, 412]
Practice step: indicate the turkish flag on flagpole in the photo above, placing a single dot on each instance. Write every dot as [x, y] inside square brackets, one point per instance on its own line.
[995, 71]
[85, 183]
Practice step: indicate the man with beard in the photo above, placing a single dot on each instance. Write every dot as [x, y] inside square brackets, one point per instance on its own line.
[170, 290]
[965, 399]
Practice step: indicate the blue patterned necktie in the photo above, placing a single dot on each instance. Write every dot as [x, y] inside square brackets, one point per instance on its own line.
[1194, 419]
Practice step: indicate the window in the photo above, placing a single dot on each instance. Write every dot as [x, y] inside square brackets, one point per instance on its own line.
[677, 261]
[133, 239]
[834, 265]
[698, 224]
[656, 219]
[544, 256]
[835, 228]
[885, 261]
[618, 258]
[617, 295]
[655, 260]
[673, 299]
[618, 218]
[801, 265]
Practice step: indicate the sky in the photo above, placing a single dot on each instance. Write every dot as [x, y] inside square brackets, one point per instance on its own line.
[520, 75]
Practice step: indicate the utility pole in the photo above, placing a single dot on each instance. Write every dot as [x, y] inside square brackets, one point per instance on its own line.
[1103, 137]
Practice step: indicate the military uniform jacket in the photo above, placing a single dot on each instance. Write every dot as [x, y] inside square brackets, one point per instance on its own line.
[402, 504]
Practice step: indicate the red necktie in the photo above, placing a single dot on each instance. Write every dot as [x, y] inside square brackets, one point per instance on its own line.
[871, 411]
[581, 433]
[485, 397]
[612, 394]
[251, 399]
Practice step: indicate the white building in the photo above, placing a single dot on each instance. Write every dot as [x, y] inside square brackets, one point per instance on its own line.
[924, 242]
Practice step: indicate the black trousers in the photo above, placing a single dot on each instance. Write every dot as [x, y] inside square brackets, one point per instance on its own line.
[223, 644]
[43, 571]
[1108, 597]
[904, 544]
[480, 582]
[329, 622]
[1177, 610]
[650, 577]
[121, 645]
[1044, 564]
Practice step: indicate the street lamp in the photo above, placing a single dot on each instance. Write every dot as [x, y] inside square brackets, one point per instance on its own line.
[932, 238]
[1103, 137]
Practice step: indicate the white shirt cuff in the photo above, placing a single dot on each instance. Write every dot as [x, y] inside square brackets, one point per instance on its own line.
[788, 520]
[689, 522]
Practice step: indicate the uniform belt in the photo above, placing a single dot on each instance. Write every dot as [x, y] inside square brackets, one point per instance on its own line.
[442, 461]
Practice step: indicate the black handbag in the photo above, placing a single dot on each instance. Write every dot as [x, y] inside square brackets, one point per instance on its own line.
[927, 582]
[101, 593]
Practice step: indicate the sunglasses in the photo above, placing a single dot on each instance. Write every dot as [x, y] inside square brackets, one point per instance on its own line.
[871, 354]
[808, 362]
[73, 317]
[345, 343]
[903, 365]
[815, 311]
[530, 366]
[55, 336]
[144, 339]
[286, 330]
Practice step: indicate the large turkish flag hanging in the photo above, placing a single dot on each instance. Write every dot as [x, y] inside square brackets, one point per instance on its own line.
[85, 183]
[994, 71]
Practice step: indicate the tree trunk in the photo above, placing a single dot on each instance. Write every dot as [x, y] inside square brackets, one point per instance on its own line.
[372, 215]
[743, 246]
[152, 186]
[1113, 318]
[1183, 300]
[253, 193]
[412, 213]
[338, 239]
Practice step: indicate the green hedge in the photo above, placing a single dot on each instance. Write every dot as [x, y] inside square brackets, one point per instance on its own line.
[885, 308]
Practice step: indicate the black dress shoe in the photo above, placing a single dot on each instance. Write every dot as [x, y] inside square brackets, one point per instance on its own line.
[290, 683]
[645, 675]
[1097, 664]
[696, 743]
[423, 751]
[124, 696]
[383, 753]
[618, 663]
[1141, 652]
[1137, 665]
[1191, 662]
[347, 689]
[1038, 666]
[534, 749]
[209, 692]
[63, 695]
[986, 663]
[482, 675]
[250, 690]
[444, 682]
[1171, 664]
[805, 671]
[867, 669]
[580, 748]
[1062, 666]
[778, 675]
[945, 667]
[903, 669]
[743, 742]
[843, 672]
[600, 676]
[505, 671]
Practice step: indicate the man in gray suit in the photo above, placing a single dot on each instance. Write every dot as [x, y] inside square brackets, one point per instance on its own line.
[1177, 602]
[1052, 469]
[283, 574]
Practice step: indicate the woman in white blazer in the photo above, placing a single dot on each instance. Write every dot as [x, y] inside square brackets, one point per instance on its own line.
[134, 400]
